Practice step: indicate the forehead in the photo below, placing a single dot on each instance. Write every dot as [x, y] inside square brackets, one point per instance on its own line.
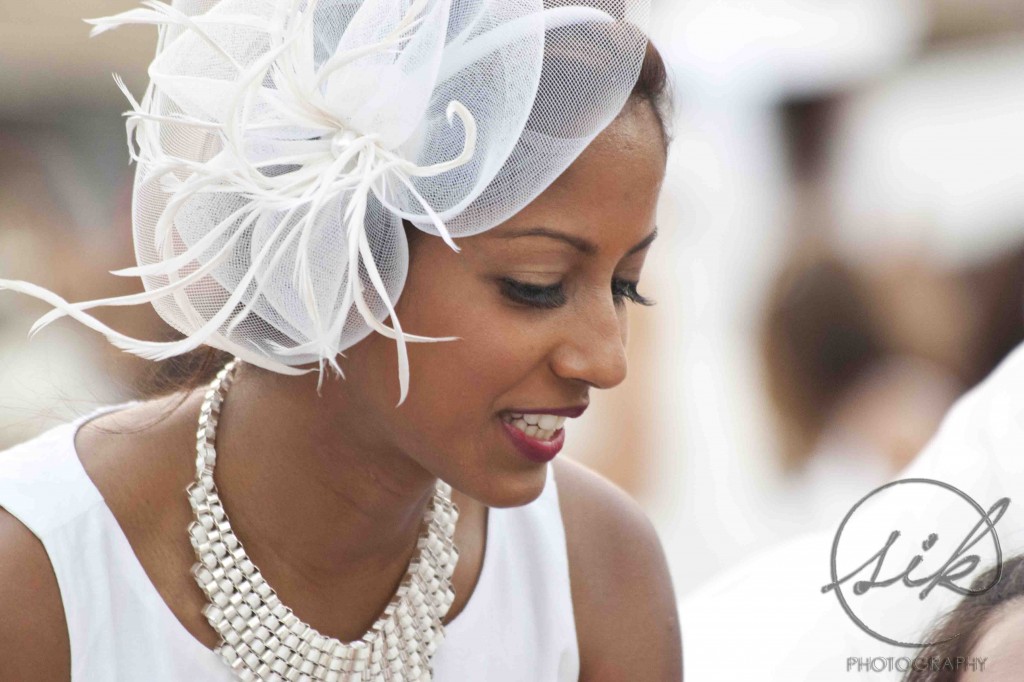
[614, 182]
[629, 153]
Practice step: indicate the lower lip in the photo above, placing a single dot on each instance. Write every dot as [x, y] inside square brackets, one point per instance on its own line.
[534, 449]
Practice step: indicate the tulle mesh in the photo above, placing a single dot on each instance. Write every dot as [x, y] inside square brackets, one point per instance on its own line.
[280, 145]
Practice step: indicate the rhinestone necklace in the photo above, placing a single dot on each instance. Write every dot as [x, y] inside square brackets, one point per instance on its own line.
[262, 639]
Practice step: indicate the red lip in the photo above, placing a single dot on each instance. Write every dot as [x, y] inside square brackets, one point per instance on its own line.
[572, 412]
[536, 450]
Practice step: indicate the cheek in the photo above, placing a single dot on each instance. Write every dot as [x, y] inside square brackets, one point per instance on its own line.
[450, 417]
[456, 387]
[446, 296]
[468, 377]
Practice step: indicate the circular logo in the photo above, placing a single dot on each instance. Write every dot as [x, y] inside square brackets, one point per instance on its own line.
[955, 508]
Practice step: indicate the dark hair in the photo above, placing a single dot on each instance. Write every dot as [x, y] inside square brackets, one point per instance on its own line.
[818, 335]
[184, 372]
[958, 632]
[653, 87]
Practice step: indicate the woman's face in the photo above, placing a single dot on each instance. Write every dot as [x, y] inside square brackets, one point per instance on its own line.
[541, 305]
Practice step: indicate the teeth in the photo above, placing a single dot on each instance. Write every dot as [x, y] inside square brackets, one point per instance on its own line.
[547, 422]
[540, 426]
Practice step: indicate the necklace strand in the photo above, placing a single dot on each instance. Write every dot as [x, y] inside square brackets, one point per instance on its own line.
[262, 639]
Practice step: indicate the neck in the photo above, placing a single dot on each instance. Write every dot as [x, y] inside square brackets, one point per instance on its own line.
[313, 481]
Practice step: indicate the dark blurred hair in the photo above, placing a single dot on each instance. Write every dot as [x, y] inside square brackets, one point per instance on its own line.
[818, 336]
[998, 289]
[968, 622]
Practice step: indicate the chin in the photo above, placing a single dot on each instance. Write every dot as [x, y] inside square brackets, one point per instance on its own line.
[509, 488]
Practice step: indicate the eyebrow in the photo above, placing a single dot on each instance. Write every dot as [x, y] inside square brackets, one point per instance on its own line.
[580, 244]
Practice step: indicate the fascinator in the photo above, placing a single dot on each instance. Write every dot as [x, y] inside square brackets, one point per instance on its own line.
[280, 145]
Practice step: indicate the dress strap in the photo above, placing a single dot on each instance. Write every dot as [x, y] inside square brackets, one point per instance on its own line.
[118, 626]
[43, 484]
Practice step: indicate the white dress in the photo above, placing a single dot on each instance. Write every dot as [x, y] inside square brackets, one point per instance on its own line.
[517, 626]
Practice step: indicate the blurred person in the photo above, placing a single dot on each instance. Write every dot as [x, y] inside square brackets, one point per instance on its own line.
[994, 289]
[866, 342]
[774, 604]
[925, 309]
[862, 367]
[852, 410]
[65, 220]
[35, 229]
[39, 383]
[982, 638]
[924, 179]
[719, 489]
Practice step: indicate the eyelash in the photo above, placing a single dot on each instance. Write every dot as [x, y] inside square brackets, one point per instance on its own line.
[548, 297]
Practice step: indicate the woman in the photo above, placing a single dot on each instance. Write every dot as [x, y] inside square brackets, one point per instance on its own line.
[559, 575]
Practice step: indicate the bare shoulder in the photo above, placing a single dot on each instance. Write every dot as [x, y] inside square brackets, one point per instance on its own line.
[627, 622]
[33, 631]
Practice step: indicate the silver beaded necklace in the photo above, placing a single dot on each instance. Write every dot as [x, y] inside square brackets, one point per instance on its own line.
[262, 639]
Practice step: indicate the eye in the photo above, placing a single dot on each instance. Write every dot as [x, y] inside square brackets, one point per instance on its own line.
[534, 295]
[623, 289]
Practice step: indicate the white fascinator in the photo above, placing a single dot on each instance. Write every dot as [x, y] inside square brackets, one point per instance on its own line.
[281, 143]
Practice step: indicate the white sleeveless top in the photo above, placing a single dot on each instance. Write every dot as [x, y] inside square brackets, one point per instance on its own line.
[517, 626]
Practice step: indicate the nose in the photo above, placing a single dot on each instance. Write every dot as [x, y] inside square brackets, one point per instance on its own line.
[593, 346]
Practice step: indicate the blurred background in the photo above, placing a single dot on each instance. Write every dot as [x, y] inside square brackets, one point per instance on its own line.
[841, 250]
